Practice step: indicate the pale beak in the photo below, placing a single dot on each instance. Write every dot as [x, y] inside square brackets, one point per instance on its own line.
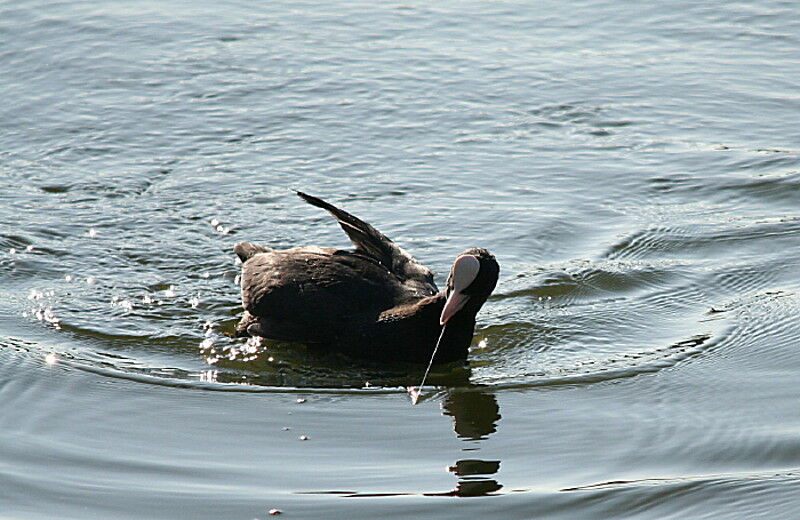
[454, 303]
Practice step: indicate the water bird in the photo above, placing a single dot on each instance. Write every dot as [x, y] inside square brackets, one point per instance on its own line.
[376, 302]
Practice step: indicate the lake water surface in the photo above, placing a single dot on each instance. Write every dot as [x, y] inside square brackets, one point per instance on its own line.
[635, 168]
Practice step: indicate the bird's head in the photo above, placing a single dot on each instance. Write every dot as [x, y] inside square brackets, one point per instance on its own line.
[472, 279]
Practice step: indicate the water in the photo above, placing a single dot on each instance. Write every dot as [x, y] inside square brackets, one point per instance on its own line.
[634, 168]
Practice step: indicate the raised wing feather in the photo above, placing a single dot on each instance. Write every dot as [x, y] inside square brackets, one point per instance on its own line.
[371, 242]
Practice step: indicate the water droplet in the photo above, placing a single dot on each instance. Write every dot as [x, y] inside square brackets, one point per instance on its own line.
[46, 315]
[146, 299]
[194, 302]
[51, 359]
[29, 248]
[68, 277]
[209, 376]
[170, 293]
[92, 233]
[91, 280]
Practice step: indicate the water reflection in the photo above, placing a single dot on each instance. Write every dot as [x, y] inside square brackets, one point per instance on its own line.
[473, 481]
[475, 415]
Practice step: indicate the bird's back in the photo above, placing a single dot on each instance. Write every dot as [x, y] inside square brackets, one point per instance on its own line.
[317, 290]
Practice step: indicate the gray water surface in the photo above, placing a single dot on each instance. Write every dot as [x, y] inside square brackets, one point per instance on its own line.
[635, 169]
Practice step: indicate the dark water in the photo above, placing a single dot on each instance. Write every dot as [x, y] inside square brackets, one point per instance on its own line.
[634, 167]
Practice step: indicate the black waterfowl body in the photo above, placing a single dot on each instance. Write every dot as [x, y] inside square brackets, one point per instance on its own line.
[376, 302]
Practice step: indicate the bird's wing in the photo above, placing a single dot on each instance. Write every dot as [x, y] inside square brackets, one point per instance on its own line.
[371, 242]
[310, 291]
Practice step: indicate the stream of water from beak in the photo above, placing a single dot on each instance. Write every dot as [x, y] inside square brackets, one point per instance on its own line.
[414, 392]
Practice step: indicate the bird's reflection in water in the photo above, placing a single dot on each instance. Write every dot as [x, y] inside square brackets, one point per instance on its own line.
[472, 478]
[475, 415]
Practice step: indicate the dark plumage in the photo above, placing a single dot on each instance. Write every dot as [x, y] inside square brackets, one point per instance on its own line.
[376, 302]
